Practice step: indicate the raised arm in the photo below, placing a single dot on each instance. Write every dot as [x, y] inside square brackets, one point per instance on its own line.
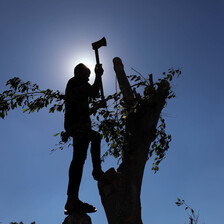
[96, 85]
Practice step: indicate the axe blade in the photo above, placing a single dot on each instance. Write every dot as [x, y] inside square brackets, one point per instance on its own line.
[102, 42]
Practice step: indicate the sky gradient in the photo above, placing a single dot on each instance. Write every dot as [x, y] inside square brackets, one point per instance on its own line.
[42, 41]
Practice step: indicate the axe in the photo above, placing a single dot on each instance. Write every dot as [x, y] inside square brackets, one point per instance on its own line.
[96, 45]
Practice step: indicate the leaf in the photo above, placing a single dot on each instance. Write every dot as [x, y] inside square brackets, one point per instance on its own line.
[2, 115]
[56, 134]
[26, 109]
[150, 153]
[51, 110]
[112, 145]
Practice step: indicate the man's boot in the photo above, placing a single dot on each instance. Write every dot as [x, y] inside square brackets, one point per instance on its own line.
[73, 204]
[97, 173]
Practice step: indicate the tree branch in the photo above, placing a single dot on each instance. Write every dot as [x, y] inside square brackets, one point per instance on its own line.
[124, 84]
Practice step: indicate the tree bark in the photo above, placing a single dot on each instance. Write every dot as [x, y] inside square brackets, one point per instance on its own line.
[77, 218]
[120, 190]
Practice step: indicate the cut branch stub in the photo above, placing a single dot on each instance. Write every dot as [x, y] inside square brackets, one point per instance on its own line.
[124, 84]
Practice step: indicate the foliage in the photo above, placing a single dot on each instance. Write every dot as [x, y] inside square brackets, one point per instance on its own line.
[112, 126]
[160, 145]
[193, 218]
[109, 121]
[29, 97]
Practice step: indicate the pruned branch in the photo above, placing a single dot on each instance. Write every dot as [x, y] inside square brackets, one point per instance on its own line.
[124, 85]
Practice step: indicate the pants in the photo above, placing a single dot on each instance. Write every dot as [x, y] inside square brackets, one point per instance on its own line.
[80, 147]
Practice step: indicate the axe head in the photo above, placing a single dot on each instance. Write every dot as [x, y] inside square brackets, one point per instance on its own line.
[102, 42]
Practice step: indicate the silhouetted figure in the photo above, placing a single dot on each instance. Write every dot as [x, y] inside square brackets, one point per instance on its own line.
[78, 125]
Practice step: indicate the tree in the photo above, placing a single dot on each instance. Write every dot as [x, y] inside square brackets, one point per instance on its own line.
[133, 129]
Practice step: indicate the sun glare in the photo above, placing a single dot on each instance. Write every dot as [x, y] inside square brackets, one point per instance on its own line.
[89, 62]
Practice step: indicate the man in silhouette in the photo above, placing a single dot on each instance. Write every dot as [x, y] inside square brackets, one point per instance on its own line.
[78, 125]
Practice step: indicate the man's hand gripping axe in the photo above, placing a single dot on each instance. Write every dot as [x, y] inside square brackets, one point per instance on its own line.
[96, 45]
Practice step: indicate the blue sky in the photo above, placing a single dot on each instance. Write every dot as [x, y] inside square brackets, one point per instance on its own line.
[41, 41]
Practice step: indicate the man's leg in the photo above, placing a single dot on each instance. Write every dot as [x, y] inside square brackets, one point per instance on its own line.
[80, 147]
[95, 154]
[75, 175]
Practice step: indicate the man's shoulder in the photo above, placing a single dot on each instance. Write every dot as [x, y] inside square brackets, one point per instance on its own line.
[72, 82]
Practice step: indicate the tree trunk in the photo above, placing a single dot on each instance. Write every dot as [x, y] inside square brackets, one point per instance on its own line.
[120, 190]
[77, 218]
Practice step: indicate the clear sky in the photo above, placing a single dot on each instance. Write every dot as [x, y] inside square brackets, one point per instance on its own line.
[41, 41]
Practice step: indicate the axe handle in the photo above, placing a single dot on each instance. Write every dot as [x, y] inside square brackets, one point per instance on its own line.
[101, 84]
[97, 57]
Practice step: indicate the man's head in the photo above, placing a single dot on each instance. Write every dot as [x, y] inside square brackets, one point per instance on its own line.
[82, 72]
